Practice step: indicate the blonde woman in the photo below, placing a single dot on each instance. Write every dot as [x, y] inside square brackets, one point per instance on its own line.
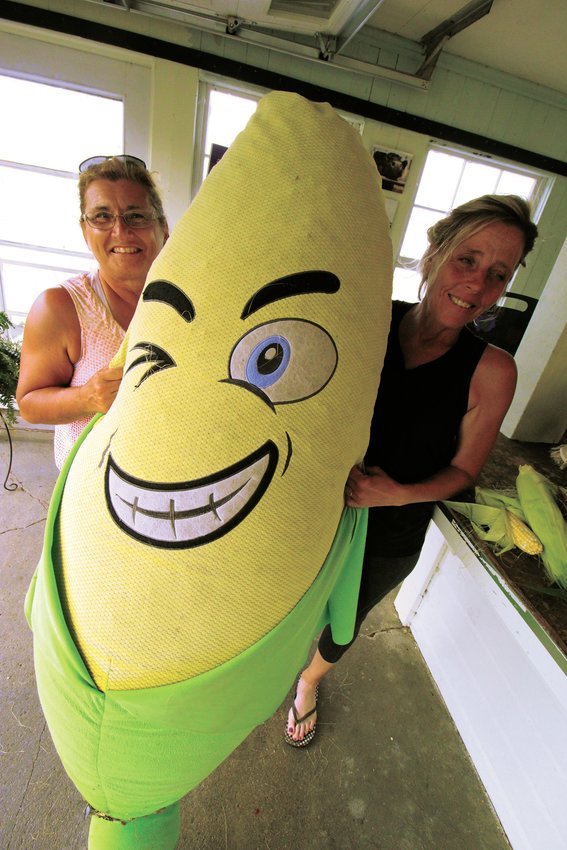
[443, 395]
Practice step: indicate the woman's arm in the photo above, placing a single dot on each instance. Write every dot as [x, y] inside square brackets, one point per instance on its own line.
[490, 395]
[51, 345]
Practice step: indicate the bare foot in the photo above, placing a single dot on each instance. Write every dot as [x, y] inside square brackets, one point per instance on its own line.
[305, 702]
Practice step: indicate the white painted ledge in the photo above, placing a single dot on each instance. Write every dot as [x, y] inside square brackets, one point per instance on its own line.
[502, 677]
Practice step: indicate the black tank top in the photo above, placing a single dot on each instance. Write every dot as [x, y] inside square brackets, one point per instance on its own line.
[415, 429]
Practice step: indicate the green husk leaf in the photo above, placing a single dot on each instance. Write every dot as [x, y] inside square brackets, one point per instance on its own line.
[489, 523]
[537, 498]
[500, 499]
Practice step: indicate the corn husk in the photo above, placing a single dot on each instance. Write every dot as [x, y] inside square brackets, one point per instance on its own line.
[559, 456]
[489, 516]
[489, 524]
[537, 497]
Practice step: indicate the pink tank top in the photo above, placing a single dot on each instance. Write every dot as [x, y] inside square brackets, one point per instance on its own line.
[101, 336]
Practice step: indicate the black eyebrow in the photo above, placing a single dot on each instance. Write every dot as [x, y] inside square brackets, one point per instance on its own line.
[299, 283]
[169, 293]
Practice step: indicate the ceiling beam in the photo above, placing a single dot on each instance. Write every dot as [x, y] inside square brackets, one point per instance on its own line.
[239, 28]
[362, 13]
[435, 40]
[74, 25]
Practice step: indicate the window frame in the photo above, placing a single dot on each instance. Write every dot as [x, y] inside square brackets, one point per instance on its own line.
[56, 60]
[211, 82]
[544, 185]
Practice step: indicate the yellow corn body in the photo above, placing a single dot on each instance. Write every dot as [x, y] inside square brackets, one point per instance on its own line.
[522, 536]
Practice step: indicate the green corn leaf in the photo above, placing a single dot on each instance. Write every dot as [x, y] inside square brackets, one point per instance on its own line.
[537, 498]
[489, 523]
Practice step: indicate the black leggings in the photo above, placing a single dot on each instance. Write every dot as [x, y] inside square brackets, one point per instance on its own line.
[379, 576]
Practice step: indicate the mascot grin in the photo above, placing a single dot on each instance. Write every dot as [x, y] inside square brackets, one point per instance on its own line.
[189, 513]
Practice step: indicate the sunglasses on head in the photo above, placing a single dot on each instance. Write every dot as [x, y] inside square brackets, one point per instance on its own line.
[123, 157]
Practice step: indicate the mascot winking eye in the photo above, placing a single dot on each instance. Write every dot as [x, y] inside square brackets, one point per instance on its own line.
[197, 538]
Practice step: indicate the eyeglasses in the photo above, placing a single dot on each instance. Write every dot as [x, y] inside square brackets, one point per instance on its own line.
[123, 157]
[105, 220]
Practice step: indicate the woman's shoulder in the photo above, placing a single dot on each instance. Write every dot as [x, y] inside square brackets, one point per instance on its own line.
[496, 372]
[53, 314]
[495, 358]
[55, 299]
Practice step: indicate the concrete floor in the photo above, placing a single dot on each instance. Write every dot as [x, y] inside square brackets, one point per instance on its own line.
[387, 770]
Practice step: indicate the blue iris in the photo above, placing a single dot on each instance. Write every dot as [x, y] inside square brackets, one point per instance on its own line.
[268, 361]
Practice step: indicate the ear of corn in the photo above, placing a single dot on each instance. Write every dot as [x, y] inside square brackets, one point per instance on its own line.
[542, 512]
[522, 536]
[489, 523]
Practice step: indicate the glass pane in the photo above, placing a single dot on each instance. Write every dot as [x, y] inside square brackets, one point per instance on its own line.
[439, 181]
[22, 285]
[415, 240]
[511, 183]
[28, 256]
[15, 333]
[406, 285]
[228, 115]
[478, 179]
[40, 209]
[39, 124]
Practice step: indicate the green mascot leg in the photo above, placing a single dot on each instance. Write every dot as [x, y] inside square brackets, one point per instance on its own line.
[159, 831]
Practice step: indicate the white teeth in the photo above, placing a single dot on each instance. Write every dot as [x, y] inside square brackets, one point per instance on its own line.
[189, 514]
[125, 250]
[464, 304]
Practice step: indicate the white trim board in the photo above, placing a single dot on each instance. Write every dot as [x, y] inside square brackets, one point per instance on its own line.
[504, 688]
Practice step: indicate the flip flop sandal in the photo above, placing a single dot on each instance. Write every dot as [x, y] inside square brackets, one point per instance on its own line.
[310, 735]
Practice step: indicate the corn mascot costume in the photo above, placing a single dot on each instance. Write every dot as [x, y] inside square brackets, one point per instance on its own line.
[197, 538]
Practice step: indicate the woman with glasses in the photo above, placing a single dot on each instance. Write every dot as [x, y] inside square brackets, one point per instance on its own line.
[73, 330]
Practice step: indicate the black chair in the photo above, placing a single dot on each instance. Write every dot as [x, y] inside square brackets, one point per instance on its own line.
[506, 327]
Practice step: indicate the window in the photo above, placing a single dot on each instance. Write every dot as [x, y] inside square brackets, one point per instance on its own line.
[449, 179]
[40, 148]
[225, 114]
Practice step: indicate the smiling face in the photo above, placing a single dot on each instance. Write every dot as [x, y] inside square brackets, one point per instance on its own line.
[274, 362]
[476, 274]
[202, 507]
[123, 254]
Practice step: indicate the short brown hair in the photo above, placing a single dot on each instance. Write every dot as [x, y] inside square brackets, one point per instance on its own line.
[118, 169]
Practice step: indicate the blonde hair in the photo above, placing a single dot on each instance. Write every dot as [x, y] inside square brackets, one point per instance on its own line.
[466, 220]
[117, 169]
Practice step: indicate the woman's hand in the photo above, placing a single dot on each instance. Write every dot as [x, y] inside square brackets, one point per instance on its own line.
[100, 390]
[372, 488]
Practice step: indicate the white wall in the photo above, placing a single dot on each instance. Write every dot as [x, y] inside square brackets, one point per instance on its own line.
[173, 115]
[539, 411]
